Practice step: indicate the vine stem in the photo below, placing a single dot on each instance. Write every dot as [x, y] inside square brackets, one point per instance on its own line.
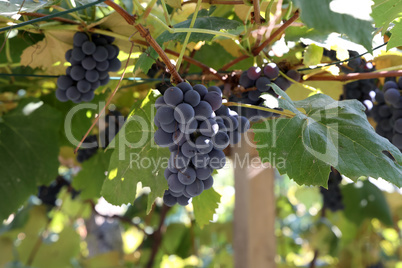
[151, 41]
[183, 49]
[287, 114]
[108, 101]
[355, 76]
[257, 18]
[166, 13]
[40, 15]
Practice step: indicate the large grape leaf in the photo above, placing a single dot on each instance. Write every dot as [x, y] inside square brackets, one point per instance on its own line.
[136, 157]
[28, 152]
[329, 133]
[317, 14]
[90, 179]
[205, 205]
[384, 12]
[364, 200]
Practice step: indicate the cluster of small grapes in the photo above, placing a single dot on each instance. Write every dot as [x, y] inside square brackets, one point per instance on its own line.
[256, 81]
[92, 58]
[362, 90]
[48, 194]
[114, 121]
[196, 127]
[332, 196]
[388, 112]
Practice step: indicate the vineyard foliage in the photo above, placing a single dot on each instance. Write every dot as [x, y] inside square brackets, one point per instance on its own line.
[209, 43]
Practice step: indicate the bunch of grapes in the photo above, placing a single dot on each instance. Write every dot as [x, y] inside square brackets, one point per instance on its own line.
[362, 90]
[48, 194]
[114, 122]
[332, 196]
[92, 58]
[196, 127]
[256, 81]
[388, 112]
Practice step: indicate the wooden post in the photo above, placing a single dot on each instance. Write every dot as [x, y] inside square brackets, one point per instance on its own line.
[254, 215]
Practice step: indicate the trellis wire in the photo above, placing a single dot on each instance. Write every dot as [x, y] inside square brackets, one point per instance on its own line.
[341, 61]
[58, 14]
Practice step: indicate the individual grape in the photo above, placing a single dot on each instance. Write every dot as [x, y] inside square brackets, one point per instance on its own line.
[174, 184]
[293, 74]
[398, 125]
[175, 194]
[208, 183]
[105, 81]
[184, 86]
[68, 70]
[231, 122]
[156, 122]
[79, 38]
[88, 63]
[83, 86]
[254, 73]
[254, 95]
[159, 102]
[220, 140]
[183, 200]
[392, 95]
[111, 51]
[186, 194]
[195, 188]
[222, 111]
[169, 200]
[114, 65]
[77, 73]
[384, 111]
[88, 96]
[180, 161]
[188, 149]
[203, 173]
[187, 176]
[64, 82]
[215, 89]
[77, 54]
[234, 137]
[72, 93]
[183, 113]
[201, 89]
[100, 54]
[262, 84]
[282, 83]
[203, 110]
[245, 81]
[61, 95]
[397, 140]
[200, 160]
[214, 99]
[167, 173]
[103, 74]
[173, 96]
[102, 66]
[192, 97]
[190, 127]
[92, 76]
[171, 127]
[389, 84]
[88, 47]
[162, 138]
[244, 124]
[204, 144]
[99, 41]
[217, 159]
[379, 96]
[67, 56]
[209, 127]
[271, 70]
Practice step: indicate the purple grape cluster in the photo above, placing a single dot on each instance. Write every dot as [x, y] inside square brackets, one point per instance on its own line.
[388, 112]
[257, 81]
[92, 58]
[332, 197]
[196, 127]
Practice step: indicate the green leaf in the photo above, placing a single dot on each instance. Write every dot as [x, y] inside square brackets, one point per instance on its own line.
[28, 152]
[312, 55]
[209, 23]
[396, 37]
[90, 179]
[385, 11]
[145, 61]
[205, 205]
[317, 14]
[330, 133]
[364, 200]
[136, 158]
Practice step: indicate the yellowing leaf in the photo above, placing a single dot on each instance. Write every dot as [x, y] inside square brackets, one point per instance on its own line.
[48, 54]
[312, 55]
[174, 3]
